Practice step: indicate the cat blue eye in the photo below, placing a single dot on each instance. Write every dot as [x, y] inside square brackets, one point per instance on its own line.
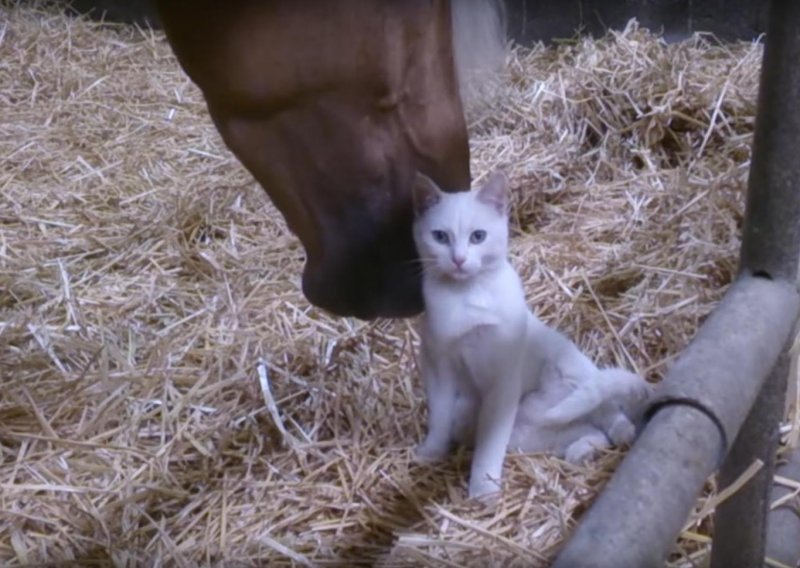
[477, 237]
[441, 237]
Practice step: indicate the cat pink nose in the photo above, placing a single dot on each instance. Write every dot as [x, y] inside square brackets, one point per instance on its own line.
[459, 260]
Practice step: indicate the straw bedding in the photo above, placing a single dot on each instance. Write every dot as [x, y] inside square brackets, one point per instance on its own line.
[169, 397]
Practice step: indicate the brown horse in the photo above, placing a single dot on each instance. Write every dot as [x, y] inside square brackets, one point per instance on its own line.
[333, 106]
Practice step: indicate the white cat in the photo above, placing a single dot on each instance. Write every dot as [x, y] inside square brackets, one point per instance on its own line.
[484, 355]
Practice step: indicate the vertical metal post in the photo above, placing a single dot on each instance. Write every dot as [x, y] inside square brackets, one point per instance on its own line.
[769, 249]
[771, 231]
[783, 528]
[740, 523]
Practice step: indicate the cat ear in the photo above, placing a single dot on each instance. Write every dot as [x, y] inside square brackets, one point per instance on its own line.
[495, 192]
[425, 193]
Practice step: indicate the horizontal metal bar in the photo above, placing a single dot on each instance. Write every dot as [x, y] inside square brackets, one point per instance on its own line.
[703, 401]
[726, 363]
[633, 523]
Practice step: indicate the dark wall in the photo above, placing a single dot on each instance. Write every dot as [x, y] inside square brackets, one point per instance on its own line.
[142, 12]
[531, 20]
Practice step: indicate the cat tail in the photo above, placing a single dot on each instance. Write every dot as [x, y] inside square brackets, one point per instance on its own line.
[627, 389]
[479, 46]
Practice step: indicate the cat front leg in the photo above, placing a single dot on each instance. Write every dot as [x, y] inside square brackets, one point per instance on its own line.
[585, 448]
[495, 424]
[440, 390]
[620, 429]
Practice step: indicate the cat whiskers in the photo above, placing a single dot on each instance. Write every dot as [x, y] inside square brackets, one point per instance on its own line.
[424, 264]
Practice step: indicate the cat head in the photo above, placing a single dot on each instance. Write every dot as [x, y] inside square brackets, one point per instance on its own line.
[460, 235]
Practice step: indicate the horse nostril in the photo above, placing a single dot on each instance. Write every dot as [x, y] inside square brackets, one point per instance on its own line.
[364, 290]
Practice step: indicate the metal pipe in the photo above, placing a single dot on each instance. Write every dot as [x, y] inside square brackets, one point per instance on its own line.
[783, 530]
[634, 522]
[770, 241]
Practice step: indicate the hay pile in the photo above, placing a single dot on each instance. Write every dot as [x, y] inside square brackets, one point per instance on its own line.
[168, 396]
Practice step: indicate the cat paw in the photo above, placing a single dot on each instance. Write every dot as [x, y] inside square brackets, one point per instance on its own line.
[427, 452]
[622, 432]
[488, 499]
[580, 453]
[487, 491]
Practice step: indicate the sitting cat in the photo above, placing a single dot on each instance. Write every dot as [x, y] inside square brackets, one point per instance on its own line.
[483, 351]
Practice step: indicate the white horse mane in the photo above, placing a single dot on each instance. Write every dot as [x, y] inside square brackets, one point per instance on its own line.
[479, 46]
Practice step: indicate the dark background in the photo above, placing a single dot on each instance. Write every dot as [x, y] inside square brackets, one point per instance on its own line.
[532, 20]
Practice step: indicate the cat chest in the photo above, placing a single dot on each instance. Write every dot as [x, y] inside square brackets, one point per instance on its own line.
[477, 358]
[469, 325]
[474, 345]
[454, 319]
